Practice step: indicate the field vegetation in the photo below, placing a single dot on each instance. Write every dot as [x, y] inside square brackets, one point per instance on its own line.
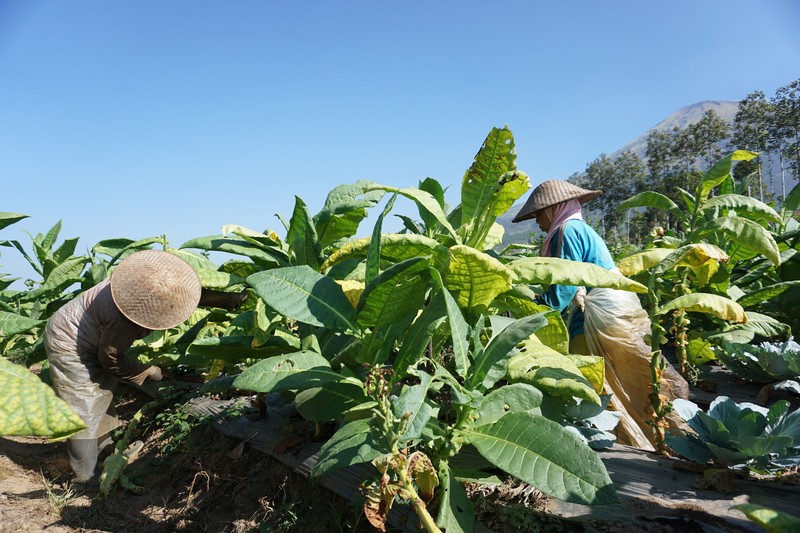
[424, 351]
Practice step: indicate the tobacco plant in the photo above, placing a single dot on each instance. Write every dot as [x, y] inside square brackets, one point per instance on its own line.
[426, 303]
[27, 405]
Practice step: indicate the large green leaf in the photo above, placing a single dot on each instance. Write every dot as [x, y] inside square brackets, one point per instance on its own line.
[456, 514]
[427, 202]
[546, 455]
[742, 234]
[413, 404]
[394, 248]
[743, 205]
[513, 398]
[712, 304]
[792, 202]
[60, 278]
[757, 324]
[267, 258]
[482, 231]
[766, 293]
[459, 329]
[216, 280]
[330, 401]
[436, 190]
[490, 187]
[720, 172]
[394, 294]
[356, 442]
[30, 407]
[557, 271]
[12, 323]
[491, 365]
[234, 349]
[475, 278]
[551, 372]
[345, 207]
[495, 157]
[299, 370]
[117, 248]
[6, 219]
[302, 236]
[373, 263]
[304, 295]
[416, 339]
[651, 199]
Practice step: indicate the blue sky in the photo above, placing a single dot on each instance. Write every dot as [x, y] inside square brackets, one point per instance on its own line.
[141, 118]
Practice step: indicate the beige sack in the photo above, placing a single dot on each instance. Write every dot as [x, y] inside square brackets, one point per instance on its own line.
[615, 326]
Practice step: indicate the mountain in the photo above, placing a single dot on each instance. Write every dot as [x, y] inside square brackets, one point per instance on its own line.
[681, 118]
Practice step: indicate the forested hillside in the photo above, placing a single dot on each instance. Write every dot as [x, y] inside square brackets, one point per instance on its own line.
[670, 158]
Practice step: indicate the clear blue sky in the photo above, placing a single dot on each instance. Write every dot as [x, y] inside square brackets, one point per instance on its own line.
[139, 118]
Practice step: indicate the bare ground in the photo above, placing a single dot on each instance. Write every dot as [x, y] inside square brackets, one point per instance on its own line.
[211, 483]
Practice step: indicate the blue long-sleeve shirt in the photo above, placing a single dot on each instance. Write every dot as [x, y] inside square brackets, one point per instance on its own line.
[579, 242]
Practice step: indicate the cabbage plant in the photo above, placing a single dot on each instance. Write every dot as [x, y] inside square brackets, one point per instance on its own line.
[766, 362]
[739, 434]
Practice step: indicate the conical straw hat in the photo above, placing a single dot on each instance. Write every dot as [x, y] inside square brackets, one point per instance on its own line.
[550, 193]
[155, 289]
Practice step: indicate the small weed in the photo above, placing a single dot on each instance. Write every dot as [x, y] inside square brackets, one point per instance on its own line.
[281, 515]
[178, 424]
[58, 499]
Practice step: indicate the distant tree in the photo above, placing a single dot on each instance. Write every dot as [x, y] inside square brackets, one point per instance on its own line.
[786, 129]
[599, 174]
[684, 149]
[751, 132]
[709, 134]
[632, 175]
[659, 157]
[618, 178]
[748, 174]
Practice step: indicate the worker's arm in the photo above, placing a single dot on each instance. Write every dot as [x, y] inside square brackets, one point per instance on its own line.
[115, 340]
[224, 300]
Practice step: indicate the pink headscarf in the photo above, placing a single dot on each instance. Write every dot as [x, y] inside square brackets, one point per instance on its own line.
[561, 213]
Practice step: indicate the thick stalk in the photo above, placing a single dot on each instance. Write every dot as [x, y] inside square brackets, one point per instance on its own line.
[659, 406]
[427, 521]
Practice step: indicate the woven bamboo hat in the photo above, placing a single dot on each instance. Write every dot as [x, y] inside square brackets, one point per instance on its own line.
[553, 192]
[155, 289]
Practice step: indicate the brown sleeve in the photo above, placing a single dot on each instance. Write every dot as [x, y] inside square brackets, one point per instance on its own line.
[224, 300]
[114, 342]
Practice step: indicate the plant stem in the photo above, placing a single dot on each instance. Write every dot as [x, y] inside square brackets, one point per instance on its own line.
[660, 407]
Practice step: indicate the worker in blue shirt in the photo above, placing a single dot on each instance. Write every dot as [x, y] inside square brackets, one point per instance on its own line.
[603, 322]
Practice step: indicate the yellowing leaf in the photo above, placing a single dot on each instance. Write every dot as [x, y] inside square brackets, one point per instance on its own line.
[29, 407]
[711, 304]
[475, 278]
[352, 289]
[638, 262]
[557, 271]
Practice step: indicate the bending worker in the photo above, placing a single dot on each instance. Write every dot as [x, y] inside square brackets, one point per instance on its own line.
[87, 338]
[605, 322]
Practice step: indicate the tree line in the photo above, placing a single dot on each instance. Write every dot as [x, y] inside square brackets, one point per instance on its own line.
[675, 160]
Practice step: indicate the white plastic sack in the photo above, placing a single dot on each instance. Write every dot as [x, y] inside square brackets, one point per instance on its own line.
[615, 326]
